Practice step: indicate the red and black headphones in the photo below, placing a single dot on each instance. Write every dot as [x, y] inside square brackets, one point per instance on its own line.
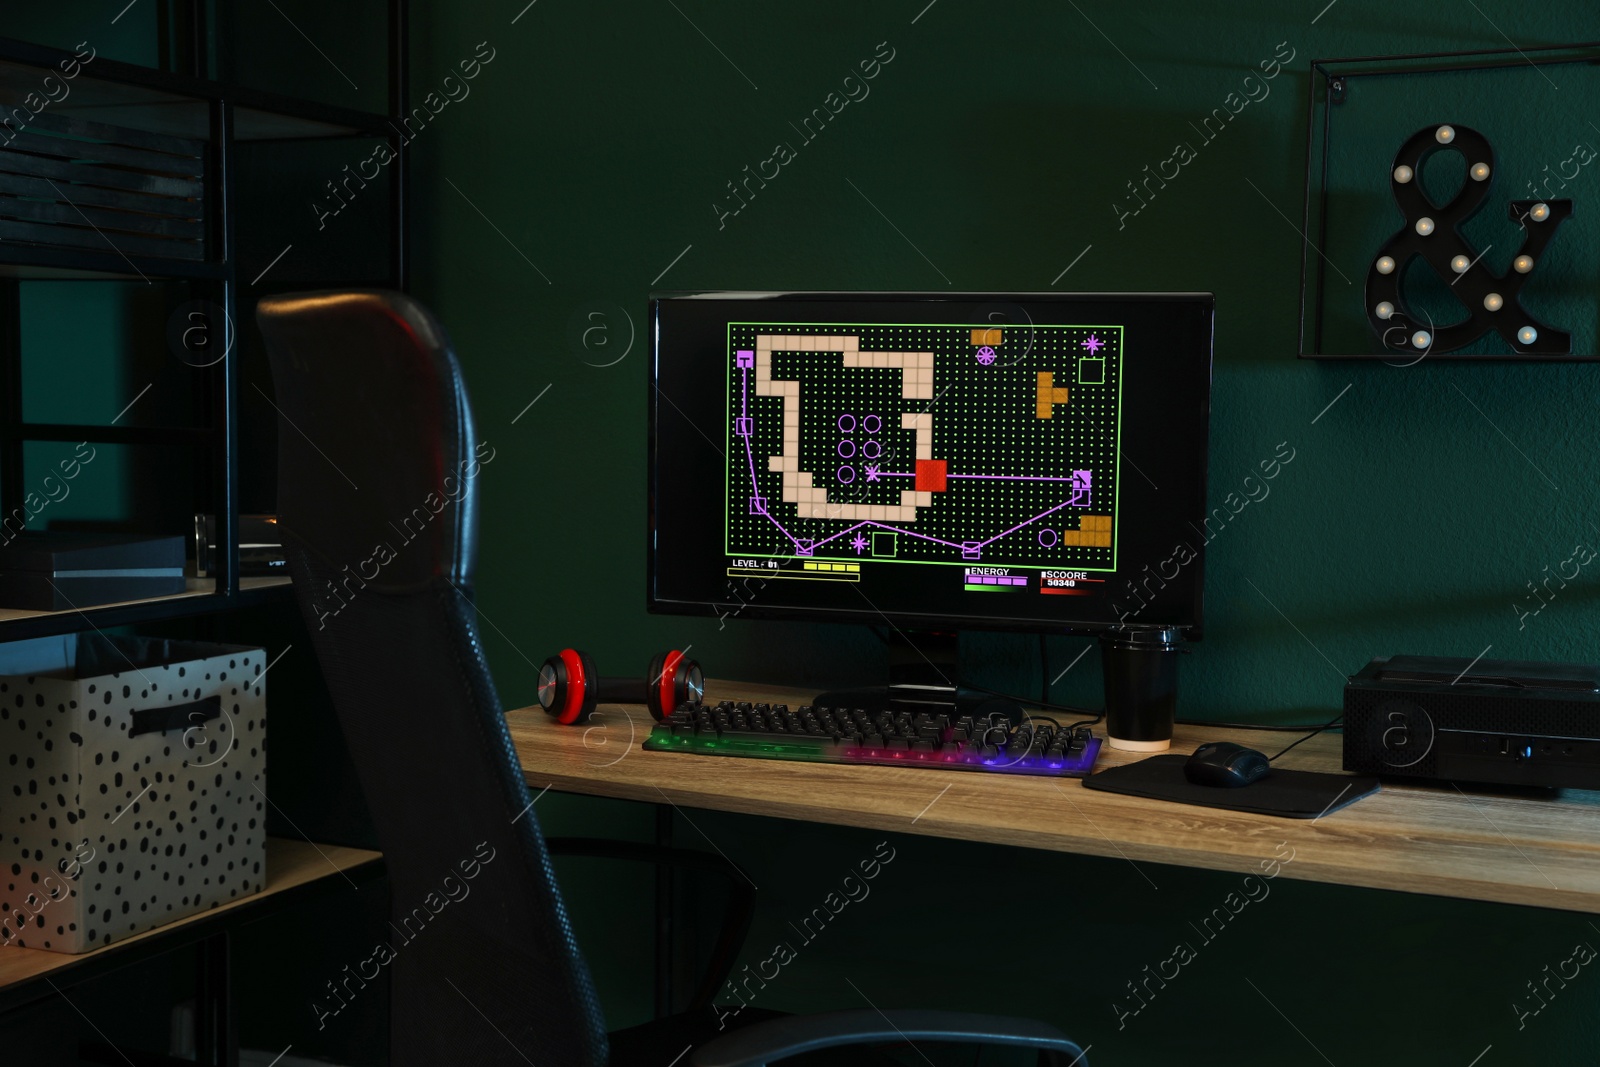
[570, 686]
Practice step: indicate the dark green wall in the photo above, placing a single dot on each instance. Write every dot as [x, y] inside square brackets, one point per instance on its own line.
[595, 145]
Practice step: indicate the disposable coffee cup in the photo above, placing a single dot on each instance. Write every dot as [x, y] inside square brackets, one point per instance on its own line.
[1141, 682]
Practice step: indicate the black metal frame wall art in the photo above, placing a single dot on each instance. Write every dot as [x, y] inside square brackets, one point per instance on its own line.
[1472, 288]
[1432, 231]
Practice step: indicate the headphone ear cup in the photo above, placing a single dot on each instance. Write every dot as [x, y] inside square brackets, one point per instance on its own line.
[567, 686]
[652, 687]
[553, 686]
[675, 681]
[687, 685]
[591, 687]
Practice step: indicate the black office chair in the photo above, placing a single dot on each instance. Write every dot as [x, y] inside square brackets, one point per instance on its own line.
[378, 467]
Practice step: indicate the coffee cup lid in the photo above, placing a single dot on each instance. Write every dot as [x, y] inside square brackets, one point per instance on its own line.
[1150, 639]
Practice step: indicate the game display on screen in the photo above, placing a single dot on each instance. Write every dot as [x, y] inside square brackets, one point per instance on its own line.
[937, 460]
[991, 451]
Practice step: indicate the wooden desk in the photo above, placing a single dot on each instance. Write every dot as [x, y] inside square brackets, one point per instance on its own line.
[292, 868]
[1513, 850]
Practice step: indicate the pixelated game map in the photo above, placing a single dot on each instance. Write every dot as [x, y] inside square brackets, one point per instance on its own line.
[993, 450]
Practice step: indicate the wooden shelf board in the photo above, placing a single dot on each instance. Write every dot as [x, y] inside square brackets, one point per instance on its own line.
[290, 864]
[197, 587]
[48, 263]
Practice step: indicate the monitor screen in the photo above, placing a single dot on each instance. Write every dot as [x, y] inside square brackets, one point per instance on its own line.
[1017, 461]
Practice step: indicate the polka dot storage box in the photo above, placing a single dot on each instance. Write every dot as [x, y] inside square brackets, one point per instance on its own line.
[132, 785]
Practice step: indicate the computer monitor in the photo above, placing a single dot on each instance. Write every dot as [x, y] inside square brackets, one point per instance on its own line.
[931, 462]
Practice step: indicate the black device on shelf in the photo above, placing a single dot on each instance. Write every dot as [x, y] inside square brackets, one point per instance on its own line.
[68, 571]
[261, 552]
[936, 462]
[1452, 719]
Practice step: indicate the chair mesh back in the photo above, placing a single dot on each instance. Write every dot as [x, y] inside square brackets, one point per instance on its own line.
[377, 472]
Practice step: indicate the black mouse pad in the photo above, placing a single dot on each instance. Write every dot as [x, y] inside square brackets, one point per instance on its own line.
[1291, 794]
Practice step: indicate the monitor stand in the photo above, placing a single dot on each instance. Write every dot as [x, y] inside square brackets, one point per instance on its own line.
[923, 668]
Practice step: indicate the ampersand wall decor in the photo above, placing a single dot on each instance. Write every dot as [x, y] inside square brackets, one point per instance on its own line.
[1432, 231]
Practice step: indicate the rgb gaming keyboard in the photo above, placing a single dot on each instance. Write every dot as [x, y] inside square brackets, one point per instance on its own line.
[890, 739]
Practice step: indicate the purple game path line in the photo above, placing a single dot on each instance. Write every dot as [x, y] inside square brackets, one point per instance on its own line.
[749, 454]
[991, 477]
[755, 490]
[818, 544]
[911, 533]
[781, 528]
[901, 529]
[1020, 525]
[744, 392]
[885, 526]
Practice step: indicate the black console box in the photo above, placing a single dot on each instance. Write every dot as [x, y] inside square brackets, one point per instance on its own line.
[1492, 721]
[51, 571]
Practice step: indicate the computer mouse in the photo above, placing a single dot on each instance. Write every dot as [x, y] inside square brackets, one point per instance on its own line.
[1224, 763]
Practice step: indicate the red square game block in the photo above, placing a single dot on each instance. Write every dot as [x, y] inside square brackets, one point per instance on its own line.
[930, 475]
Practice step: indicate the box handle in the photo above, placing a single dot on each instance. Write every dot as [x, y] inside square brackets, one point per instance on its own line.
[175, 716]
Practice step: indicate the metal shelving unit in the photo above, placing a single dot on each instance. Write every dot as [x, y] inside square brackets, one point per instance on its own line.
[123, 141]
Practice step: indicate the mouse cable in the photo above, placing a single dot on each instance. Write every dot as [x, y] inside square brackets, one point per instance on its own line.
[1309, 736]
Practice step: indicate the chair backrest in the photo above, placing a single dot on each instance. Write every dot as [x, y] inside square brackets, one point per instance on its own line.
[378, 469]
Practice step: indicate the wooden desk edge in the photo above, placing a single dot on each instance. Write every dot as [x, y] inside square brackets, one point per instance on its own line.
[1223, 840]
[1461, 886]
